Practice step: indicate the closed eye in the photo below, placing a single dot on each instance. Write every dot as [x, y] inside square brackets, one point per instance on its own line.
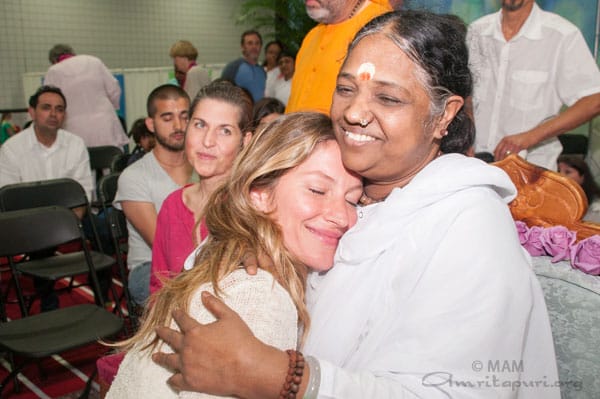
[388, 100]
[352, 203]
[343, 90]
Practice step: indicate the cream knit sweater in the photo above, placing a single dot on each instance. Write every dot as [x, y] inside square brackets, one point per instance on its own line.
[259, 300]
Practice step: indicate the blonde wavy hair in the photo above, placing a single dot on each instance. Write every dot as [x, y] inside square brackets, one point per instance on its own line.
[237, 228]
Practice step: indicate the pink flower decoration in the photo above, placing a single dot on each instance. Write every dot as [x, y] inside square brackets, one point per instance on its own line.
[585, 255]
[523, 231]
[557, 242]
[533, 245]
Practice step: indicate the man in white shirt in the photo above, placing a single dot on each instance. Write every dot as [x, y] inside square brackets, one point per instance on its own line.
[527, 63]
[45, 151]
[144, 185]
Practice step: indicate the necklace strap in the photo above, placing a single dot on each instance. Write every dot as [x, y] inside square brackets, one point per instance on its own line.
[355, 9]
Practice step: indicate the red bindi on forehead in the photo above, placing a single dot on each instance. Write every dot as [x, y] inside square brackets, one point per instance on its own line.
[366, 71]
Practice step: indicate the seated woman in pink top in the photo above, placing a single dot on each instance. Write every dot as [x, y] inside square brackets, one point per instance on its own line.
[219, 127]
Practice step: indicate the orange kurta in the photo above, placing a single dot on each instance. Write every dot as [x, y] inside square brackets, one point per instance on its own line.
[320, 58]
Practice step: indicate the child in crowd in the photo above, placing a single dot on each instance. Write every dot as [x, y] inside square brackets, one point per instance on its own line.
[266, 110]
[577, 169]
[7, 127]
[144, 140]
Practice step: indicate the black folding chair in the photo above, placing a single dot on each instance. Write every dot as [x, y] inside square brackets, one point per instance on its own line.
[117, 224]
[62, 192]
[102, 158]
[119, 163]
[37, 336]
[101, 161]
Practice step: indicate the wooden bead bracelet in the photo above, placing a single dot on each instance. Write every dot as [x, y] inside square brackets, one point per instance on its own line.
[294, 375]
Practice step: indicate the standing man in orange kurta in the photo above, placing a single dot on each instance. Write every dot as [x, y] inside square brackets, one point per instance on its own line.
[324, 48]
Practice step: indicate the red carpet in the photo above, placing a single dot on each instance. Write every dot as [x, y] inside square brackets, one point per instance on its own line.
[58, 376]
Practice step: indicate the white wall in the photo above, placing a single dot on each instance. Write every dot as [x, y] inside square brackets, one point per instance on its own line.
[123, 33]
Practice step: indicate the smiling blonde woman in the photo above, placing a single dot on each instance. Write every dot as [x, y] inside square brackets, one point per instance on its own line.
[288, 195]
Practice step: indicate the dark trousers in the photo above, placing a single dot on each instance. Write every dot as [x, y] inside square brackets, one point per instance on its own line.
[49, 298]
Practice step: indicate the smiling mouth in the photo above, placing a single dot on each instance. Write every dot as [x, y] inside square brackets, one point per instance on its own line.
[359, 137]
[327, 238]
